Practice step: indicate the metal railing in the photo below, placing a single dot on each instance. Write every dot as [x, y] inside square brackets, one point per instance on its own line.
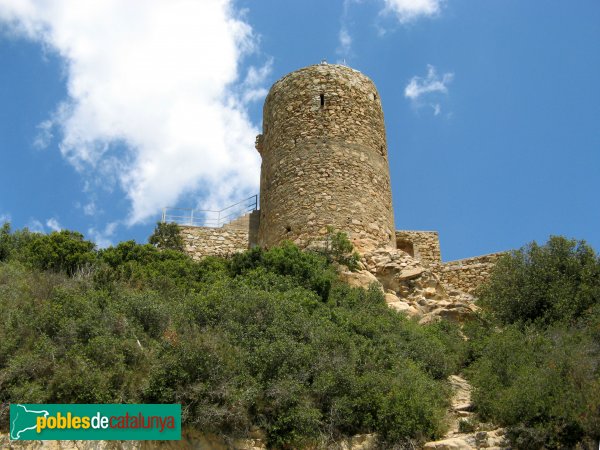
[208, 217]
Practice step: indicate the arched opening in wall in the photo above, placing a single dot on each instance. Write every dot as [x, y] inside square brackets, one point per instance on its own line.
[288, 229]
[405, 246]
[382, 150]
[322, 96]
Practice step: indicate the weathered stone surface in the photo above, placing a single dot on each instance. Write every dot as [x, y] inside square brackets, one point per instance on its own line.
[391, 298]
[409, 274]
[456, 443]
[324, 156]
[424, 246]
[402, 307]
[460, 410]
[417, 288]
[464, 274]
[358, 442]
[191, 440]
[467, 274]
[361, 278]
[205, 241]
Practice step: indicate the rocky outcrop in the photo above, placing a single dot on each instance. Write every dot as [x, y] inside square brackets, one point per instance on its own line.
[490, 440]
[190, 440]
[461, 410]
[360, 278]
[410, 287]
[415, 289]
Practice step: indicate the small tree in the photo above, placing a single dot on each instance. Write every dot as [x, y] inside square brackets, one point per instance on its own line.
[60, 251]
[166, 236]
[543, 283]
[338, 249]
[5, 241]
[536, 369]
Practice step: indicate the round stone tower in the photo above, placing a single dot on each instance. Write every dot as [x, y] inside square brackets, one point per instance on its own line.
[324, 160]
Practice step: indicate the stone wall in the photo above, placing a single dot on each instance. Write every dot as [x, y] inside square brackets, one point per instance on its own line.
[464, 274]
[467, 274]
[324, 160]
[205, 241]
[422, 245]
[234, 237]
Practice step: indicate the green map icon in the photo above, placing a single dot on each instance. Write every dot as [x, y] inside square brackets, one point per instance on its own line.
[23, 421]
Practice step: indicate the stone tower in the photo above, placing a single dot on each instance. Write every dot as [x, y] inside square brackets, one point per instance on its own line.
[324, 160]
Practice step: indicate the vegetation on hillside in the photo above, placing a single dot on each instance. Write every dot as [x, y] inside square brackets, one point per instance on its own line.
[535, 349]
[268, 339]
[272, 340]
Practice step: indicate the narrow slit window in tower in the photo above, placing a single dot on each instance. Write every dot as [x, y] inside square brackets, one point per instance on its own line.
[322, 100]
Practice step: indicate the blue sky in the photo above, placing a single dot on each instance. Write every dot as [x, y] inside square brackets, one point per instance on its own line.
[111, 110]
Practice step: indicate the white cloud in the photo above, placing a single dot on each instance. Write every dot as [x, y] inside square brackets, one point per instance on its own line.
[253, 86]
[53, 224]
[423, 91]
[345, 42]
[45, 135]
[409, 10]
[36, 226]
[155, 102]
[90, 209]
[102, 237]
[6, 217]
[430, 84]
[405, 11]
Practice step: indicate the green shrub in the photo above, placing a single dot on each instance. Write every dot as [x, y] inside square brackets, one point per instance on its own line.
[307, 269]
[338, 249]
[557, 281]
[60, 251]
[166, 236]
[536, 345]
[142, 265]
[269, 339]
[466, 426]
[544, 384]
[5, 242]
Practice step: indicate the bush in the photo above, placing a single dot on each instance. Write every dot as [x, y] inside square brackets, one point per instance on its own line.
[5, 242]
[540, 385]
[557, 281]
[269, 339]
[306, 269]
[536, 346]
[338, 249]
[60, 251]
[166, 236]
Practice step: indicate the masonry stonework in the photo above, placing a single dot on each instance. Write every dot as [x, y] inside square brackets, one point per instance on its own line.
[205, 241]
[468, 274]
[234, 237]
[325, 164]
[422, 245]
[324, 160]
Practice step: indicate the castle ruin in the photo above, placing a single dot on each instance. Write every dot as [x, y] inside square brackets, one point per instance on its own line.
[325, 163]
